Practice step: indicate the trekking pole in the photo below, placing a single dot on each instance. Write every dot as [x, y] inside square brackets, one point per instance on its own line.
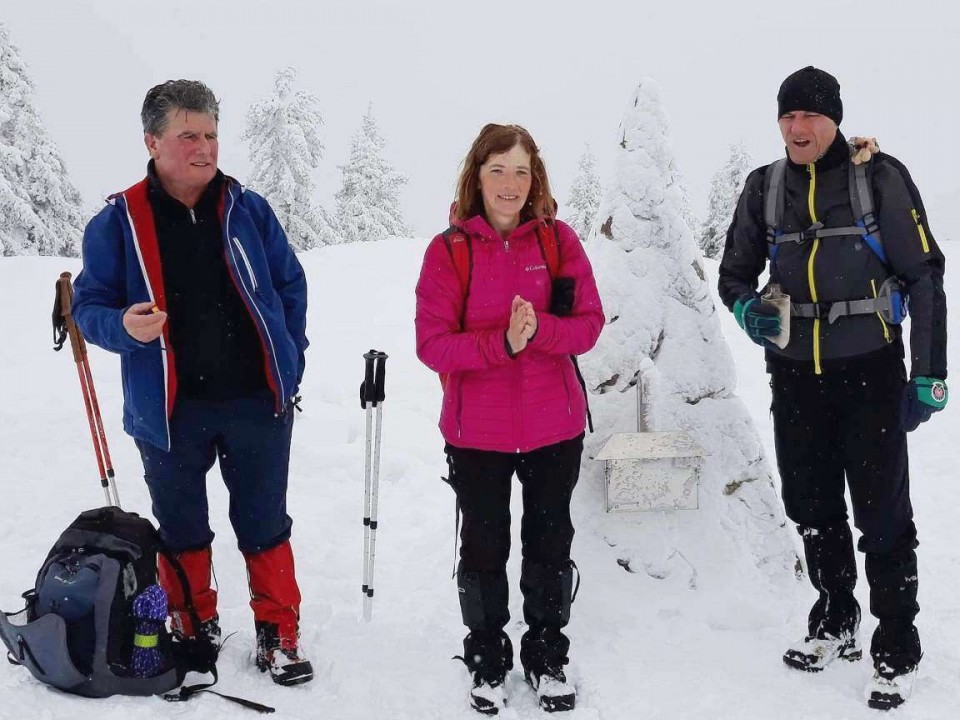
[372, 394]
[63, 326]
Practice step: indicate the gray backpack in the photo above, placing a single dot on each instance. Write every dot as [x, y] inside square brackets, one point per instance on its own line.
[77, 630]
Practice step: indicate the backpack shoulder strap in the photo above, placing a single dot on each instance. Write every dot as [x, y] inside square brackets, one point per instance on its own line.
[547, 237]
[773, 196]
[460, 248]
[861, 202]
[773, 193]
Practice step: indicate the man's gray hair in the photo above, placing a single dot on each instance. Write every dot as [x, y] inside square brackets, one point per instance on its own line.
[190, 95]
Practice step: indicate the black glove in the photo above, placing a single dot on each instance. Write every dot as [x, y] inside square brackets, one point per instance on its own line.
[562, 293]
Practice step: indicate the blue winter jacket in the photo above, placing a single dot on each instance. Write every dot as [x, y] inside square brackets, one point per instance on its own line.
[121, 266]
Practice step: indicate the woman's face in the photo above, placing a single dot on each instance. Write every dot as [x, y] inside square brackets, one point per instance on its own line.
[505, 184]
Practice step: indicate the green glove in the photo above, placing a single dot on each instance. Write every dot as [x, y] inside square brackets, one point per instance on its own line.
[756, 319]
[923, 397]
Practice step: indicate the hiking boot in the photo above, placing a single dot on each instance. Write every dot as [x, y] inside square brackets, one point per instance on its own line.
[282, 657]
[554, 693]
[488, 696]
[890, 688]
[211, 630]
[199, 652]
[488, 657]
[813, 654]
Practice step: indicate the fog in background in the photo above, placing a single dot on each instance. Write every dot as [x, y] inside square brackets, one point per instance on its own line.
[437, 71]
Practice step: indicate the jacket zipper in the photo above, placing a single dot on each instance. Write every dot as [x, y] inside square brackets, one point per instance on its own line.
[811, 279]
[517, 379]
[246, 261]
[923, 234]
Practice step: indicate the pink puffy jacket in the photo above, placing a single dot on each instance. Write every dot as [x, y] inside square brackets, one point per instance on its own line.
[490, 401]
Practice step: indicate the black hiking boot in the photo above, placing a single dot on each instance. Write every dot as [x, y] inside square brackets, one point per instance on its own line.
[813, 654]
[554, 693]
[489, 657]
[488, 695]
[890, 688]
[284, 661]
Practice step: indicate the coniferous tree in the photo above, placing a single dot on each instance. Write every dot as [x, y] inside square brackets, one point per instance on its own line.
[724, 193]
[285, 148]
[686, 209]
[368, 203]
[40, 210]
[663, 335]
[585, 196]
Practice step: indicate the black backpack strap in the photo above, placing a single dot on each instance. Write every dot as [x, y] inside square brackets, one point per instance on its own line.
[583, 386]
[184, 586]
[198, 654]
[190, 691]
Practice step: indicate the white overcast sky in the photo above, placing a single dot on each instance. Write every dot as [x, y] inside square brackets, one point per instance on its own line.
[437, 71]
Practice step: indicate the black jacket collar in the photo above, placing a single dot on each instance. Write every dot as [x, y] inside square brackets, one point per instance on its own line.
[165, 201]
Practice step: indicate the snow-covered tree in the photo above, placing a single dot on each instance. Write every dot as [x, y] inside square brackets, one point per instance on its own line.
[585, 196]
[40, 209]
[724, 192]
[368, 203]
[285, 148]
[663, 334]
[686, 209]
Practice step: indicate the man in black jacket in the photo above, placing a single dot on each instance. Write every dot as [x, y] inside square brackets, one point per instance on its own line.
[848, 244]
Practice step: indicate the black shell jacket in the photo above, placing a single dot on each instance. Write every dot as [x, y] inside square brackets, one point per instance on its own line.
[832, 269]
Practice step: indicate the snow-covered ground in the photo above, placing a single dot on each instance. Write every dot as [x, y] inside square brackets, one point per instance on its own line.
[641, 647]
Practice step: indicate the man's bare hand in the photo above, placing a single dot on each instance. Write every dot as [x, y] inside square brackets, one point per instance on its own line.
[144, 322]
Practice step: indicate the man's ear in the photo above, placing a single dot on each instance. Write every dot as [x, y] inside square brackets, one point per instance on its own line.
[151, 142]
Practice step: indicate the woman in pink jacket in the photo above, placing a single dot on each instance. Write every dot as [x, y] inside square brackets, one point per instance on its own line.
[506, 298]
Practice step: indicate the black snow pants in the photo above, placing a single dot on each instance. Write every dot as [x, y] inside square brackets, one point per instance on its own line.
[846, 424]
[482, 481]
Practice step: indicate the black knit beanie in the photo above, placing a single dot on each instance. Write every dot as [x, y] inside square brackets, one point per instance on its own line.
[812, 90]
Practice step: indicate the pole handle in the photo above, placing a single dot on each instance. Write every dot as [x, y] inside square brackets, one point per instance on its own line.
[64, 314]
[374, 375]
[381, 376]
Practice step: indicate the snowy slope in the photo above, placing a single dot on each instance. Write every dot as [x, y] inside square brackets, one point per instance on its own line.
[641, 647]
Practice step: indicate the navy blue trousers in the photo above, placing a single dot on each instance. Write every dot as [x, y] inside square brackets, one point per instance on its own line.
[252, 444]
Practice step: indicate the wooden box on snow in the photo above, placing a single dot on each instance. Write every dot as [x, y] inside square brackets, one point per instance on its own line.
[651, 471]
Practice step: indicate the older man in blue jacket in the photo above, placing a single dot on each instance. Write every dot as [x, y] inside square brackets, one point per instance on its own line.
[189, 277]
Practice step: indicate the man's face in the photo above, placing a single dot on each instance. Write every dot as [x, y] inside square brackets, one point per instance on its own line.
[807, 135]
[185, 153]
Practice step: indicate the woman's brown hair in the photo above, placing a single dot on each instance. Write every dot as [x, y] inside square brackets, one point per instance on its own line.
[495, 140]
